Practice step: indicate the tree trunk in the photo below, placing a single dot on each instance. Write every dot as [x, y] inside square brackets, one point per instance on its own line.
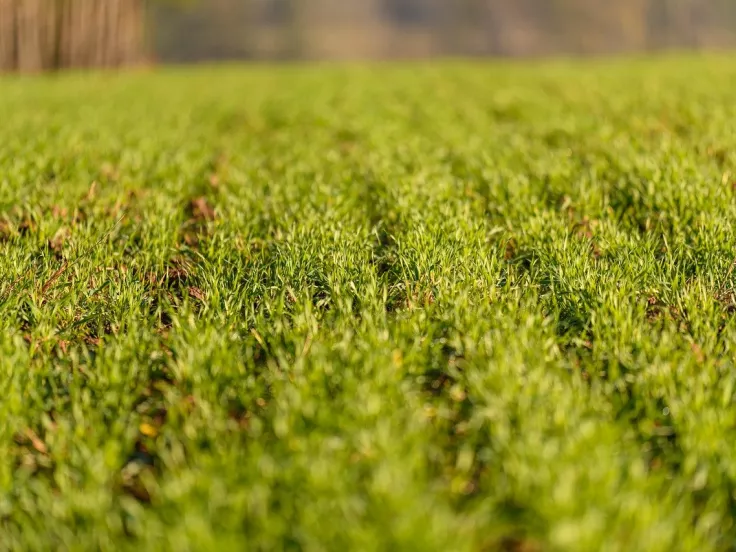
[449, 27]
[29, 36]
[8, 29]
[37, 35]
[294, 46]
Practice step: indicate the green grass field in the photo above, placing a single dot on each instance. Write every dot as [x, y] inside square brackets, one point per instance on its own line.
[394, 307]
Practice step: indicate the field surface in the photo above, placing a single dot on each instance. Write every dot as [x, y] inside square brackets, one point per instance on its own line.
[399, 307]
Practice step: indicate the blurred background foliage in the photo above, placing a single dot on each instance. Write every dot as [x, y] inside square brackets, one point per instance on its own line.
[330, 29]
[49, 34]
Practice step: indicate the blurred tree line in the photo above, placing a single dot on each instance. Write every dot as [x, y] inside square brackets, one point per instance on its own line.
[406, 28]
[51, 34]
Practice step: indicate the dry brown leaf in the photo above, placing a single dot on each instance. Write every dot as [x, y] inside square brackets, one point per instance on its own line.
[197, 293]
[36, 442]
[201, 209]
